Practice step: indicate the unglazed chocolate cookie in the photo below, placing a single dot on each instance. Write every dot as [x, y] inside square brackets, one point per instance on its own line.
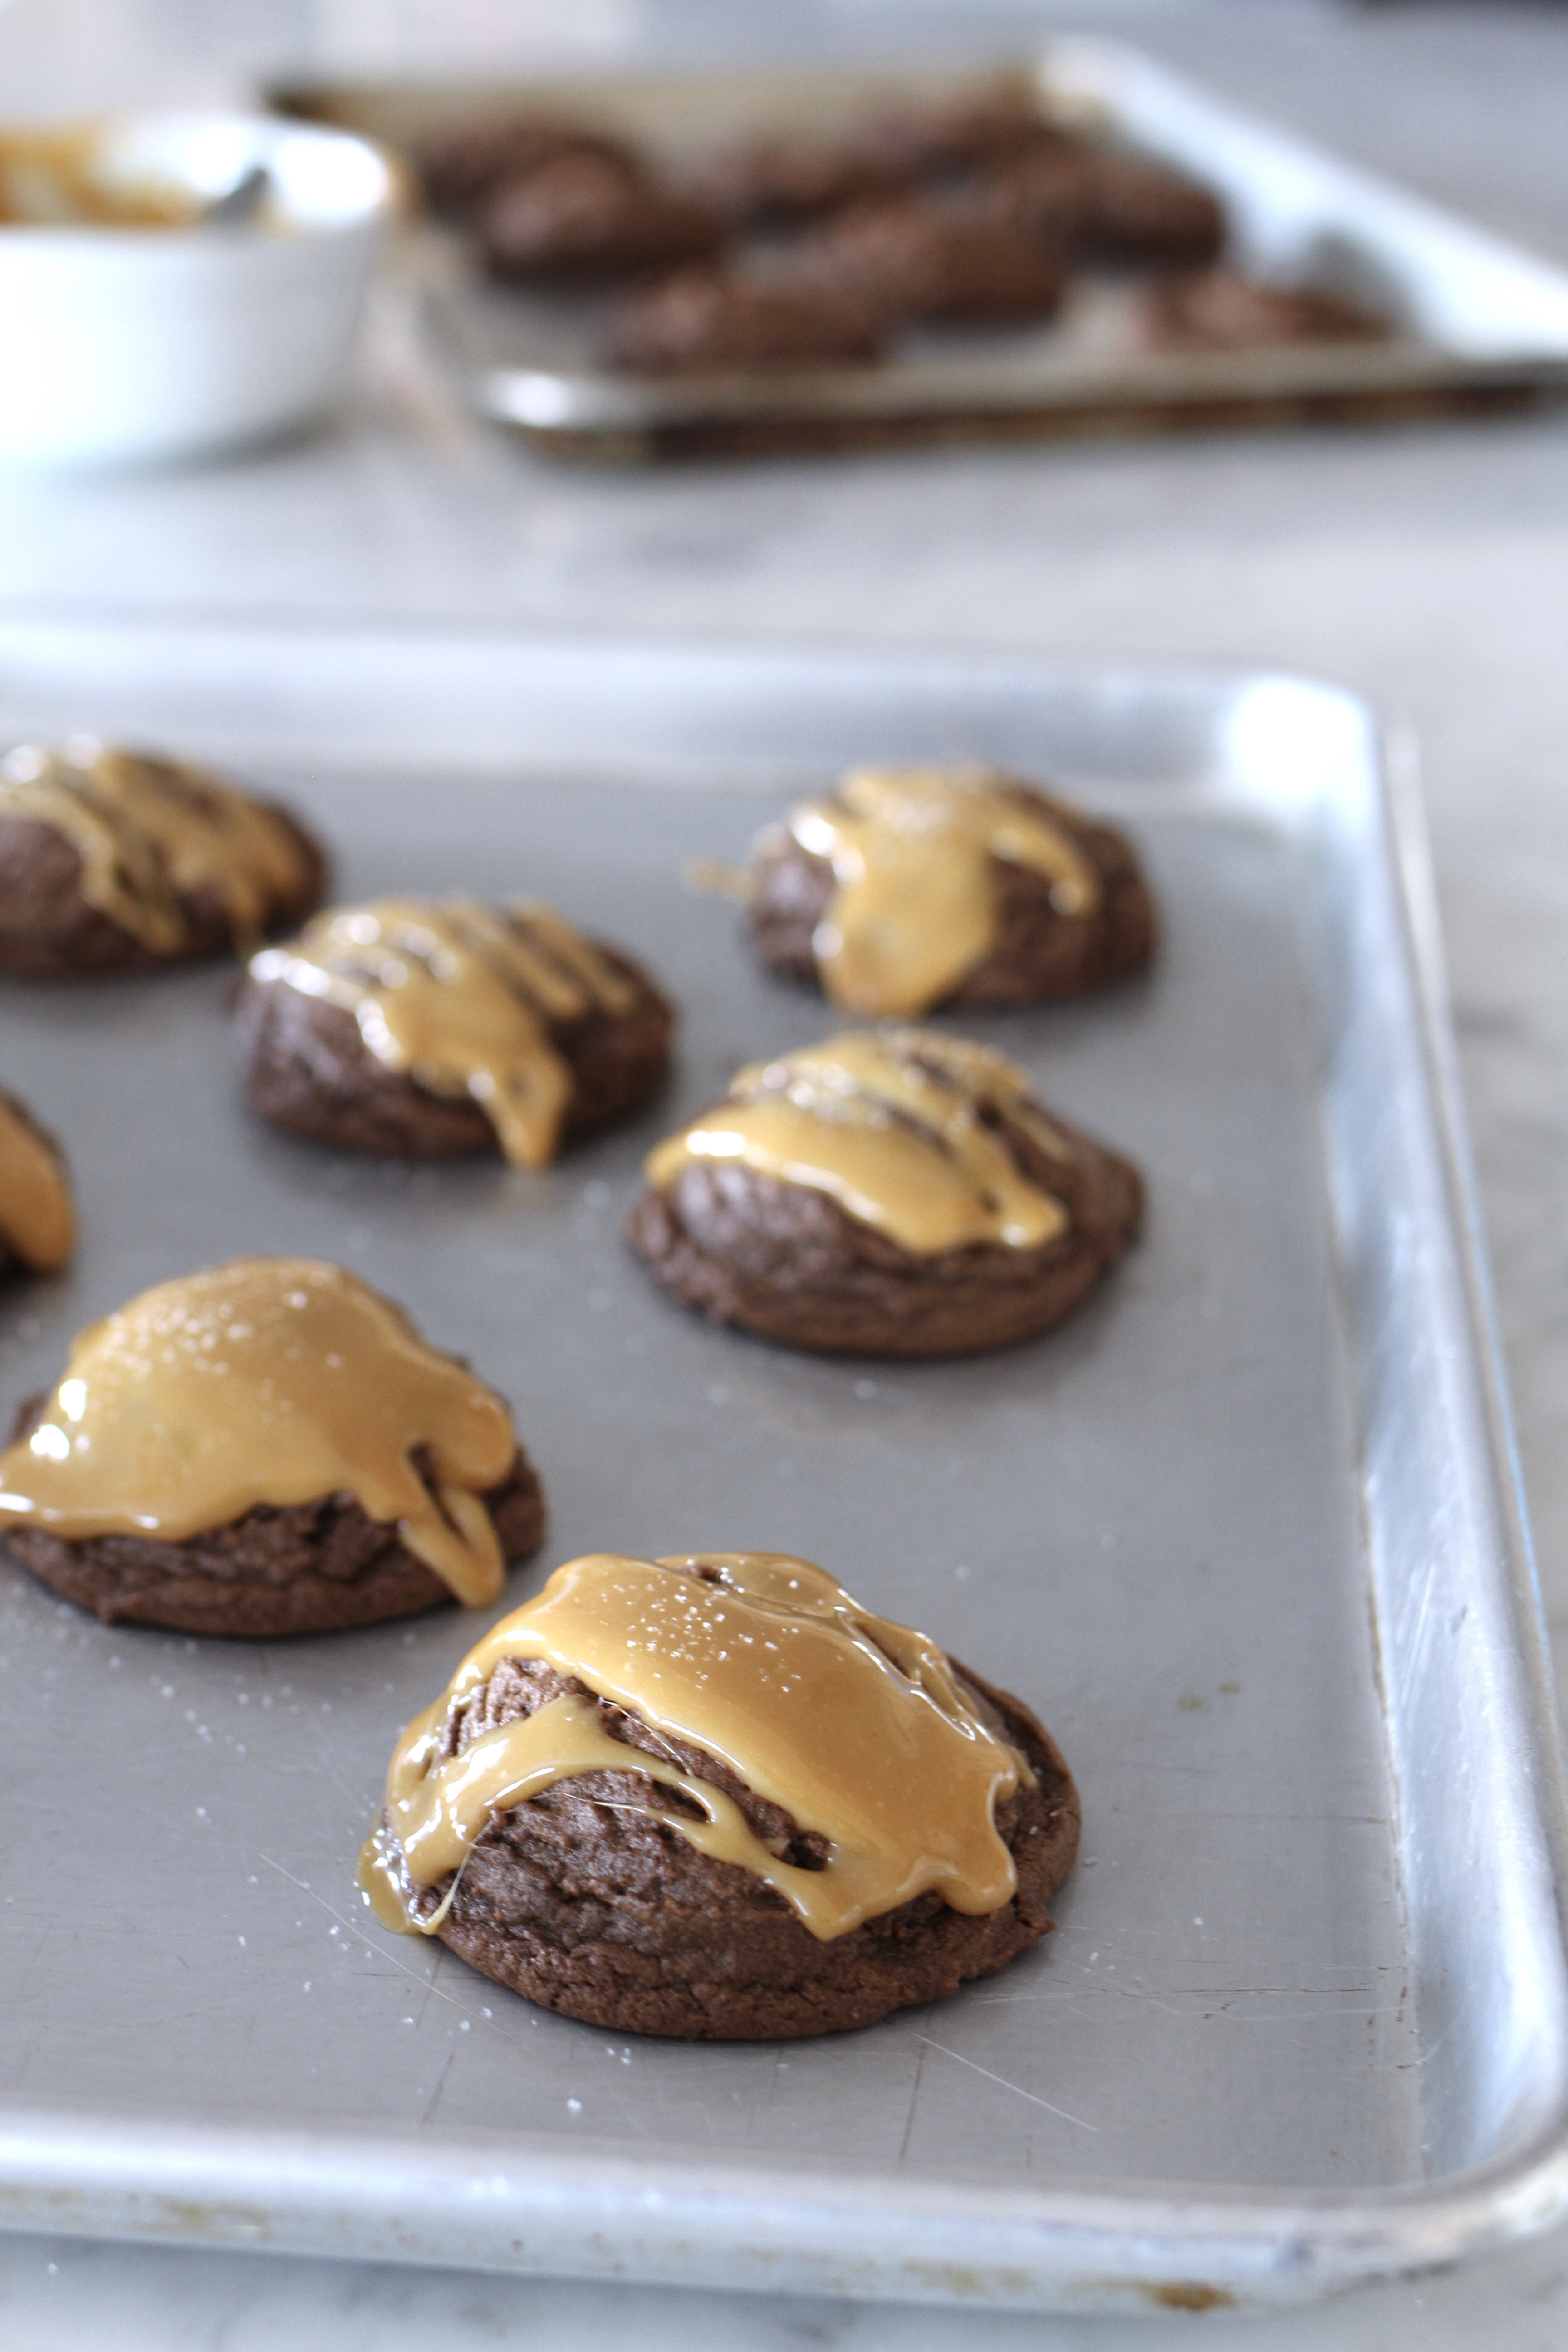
[583, 217]
[419, 1028]
[38, 1215]
[110, 861]
[932, 138]
[776, 183]
[912, 888]
[1222, 311]
[915, 259]
[716, 1798]
[266, 1447]
[897, 1194]
[716, 321]
[460, 171]
[1140, 214]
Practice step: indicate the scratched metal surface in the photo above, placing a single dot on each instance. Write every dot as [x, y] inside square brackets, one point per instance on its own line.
[1153, 1523]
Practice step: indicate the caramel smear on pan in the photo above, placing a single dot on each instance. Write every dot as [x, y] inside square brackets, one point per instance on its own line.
[856, 1727]
[460, 996]
[273, 1380]
[151, 836]
[914, 910]
[37, 1218]
[898, 1126]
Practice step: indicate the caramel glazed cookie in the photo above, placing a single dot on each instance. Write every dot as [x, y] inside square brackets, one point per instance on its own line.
[896, 1194]
[419, 1028]
[912, 888]
[37, 1215]
[717, 1798]
[266, 1447]
[114, 862]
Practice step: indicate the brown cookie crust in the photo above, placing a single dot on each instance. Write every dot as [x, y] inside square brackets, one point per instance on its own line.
[718, 320]
[581, 1900]
[48, 931]
[1039, 953]
[930, 138]
[1221, 310]
[1135, 213]
[786, 1262]
[459, 172]
[308, 1069]
[919, 260]
[583, 217]
[313, 1568]
[772, 182]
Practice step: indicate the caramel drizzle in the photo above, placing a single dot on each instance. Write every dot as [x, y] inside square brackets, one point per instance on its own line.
[152, 836]
[897, 1128]
[856, 1726]
[914, 908]
[37, 1217]
[458, 994]
[276, 1381]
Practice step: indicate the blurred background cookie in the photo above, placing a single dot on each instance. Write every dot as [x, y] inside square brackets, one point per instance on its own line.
[702, 319]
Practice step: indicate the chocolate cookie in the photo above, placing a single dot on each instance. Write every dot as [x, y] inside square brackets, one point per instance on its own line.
[110, 861]
[897, 1194]
[459, 172]
[583, 217]
[776, 183]
[343, 1472]
[916, 259]
[940, 136]
[419, 1029]
[38, 1215]
[710, 320]
[1222, 311]
[646, 1884]
[1137, 214]
[910, 888]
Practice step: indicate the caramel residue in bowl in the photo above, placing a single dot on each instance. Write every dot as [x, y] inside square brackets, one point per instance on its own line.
[55, 177]
[856, 1727]
[268, 1381]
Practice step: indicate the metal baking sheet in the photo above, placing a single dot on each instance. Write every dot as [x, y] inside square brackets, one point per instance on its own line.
[1246, 1531]
[1477, 322]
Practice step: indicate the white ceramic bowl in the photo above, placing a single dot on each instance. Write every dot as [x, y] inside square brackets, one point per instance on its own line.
[123, 344]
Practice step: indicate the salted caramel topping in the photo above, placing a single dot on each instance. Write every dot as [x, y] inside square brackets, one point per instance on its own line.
[268, 1381]
[898, 1128]
[856, 1726]
[152, 834]
[458, 994]
[914, 909]
[37, 1219]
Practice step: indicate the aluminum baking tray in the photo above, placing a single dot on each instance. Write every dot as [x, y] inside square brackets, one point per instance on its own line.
[1246, 1531]
[1478, 322]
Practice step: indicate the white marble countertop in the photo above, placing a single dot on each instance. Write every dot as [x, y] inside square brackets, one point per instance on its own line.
[1427, 567]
